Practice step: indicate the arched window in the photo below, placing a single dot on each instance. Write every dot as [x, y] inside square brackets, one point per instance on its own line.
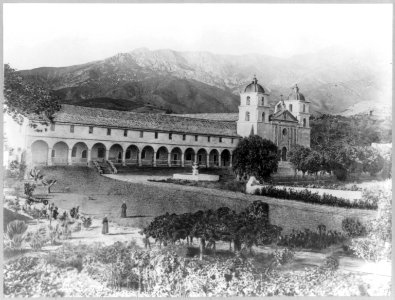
[304, 122]
[263, 117]
[262, 101]
[247, 116]
[290, 107]
[83, 154]
[248, 100]
[74, 152]
[304, 108]
[284, 131]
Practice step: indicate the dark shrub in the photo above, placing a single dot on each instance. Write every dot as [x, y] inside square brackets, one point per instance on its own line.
[353, 227]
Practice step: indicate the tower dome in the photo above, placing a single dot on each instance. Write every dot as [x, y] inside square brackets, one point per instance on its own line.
[254, 87]
[295, 95]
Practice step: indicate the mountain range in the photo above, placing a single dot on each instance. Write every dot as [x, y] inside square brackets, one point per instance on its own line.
[142, 80]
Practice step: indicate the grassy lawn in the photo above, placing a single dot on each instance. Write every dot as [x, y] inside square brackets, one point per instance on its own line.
[98, 195]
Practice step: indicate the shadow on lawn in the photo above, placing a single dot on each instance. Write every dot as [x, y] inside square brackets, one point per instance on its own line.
[138, 216]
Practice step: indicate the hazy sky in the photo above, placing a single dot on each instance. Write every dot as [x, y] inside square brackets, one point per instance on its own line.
[65, 34]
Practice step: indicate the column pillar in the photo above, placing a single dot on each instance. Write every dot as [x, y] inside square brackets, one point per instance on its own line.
[69, 151]
[123, 158]
[230, 162]
[139, 158]
[196, 157]
[182, 159]
[154, 161]
[219, 160]
[169, 159]
[89, 156]
[208, 159]
[107, 152]
[49, 157]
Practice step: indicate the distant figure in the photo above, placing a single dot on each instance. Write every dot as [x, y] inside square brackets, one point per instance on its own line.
[105, 225]
[55, 213]
[123, 207]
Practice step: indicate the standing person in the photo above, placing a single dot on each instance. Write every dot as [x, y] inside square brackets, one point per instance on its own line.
[123, 207]
[105, 225]
[55, 213]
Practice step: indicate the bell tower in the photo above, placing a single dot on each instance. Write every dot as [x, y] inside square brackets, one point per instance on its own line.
[254, 111]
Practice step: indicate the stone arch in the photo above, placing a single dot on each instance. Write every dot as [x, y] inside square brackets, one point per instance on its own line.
[162, 156]
[189, 156]
[60, 152]
[147, 156]
[214, 158]
[225, 158]
[98, 152]
[247, 116]
[79, 153]
[115, 153]
[176, 154]
[202, 157]
[132, 155]
[39, 151]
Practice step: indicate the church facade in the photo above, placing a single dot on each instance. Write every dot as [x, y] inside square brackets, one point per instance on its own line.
[81, 135]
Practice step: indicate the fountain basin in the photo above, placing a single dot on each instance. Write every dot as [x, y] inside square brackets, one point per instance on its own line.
[199, 177]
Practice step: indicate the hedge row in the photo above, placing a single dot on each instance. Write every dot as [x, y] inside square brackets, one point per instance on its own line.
[315, 198]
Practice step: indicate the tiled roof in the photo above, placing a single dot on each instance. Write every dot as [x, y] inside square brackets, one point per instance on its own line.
[143, 121]
[230, 117]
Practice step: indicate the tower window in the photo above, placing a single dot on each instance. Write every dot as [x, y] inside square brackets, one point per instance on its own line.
[304, 122]
[247, 116]
[290, 107]
[263, 117]
[248, 102]
[262, 101]
[304, 108]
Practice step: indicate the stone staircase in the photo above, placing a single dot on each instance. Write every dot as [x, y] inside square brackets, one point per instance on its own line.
[104, 167]
[285, 169]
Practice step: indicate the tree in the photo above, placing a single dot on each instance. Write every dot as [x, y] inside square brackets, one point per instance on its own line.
[373, 162]
[298, 156]
[22, 98]
[255, 156]
[313, 162]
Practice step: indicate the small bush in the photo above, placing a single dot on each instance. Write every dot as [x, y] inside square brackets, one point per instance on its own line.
[39, 238]
[16, 227]
[29, 189]
[284, 256]
[331, 263]
[353, 227]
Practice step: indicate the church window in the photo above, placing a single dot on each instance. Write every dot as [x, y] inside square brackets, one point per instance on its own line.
[284, 131]
[248, 101]
[141, 134]
[170, 136]
[74, 152]
[90, 129]
[156, 135]
[83, 154]
[125, 132]
[108, 131]
[263, 117]
[71, 128]
[304, 122]
[247, 116]
[290, 107]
